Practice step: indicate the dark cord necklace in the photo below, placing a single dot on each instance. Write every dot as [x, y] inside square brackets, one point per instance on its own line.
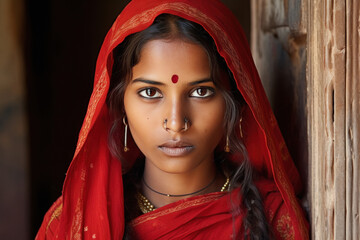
[146, 206]
[179, 195]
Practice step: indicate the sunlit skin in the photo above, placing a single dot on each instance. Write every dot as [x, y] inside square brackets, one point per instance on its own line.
[176, 161]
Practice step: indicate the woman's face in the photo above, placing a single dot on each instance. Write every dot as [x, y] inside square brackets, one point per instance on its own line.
[153, 96]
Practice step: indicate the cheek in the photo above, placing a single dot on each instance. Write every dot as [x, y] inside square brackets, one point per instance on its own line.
[140, 119]
[140, 129]
[134, 115]
[210, 121]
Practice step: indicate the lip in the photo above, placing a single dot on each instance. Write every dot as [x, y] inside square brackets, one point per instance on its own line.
[176, 148]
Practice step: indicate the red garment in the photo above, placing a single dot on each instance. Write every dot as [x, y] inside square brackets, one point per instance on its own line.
[184, 219]
[91, 206]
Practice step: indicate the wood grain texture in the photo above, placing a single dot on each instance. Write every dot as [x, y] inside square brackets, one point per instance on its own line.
[315, 44]
[333, 70]
[352, 130]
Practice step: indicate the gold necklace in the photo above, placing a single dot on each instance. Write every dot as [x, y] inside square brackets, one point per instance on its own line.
[146, 206]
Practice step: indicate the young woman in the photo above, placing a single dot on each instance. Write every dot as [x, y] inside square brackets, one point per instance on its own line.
[179, 141]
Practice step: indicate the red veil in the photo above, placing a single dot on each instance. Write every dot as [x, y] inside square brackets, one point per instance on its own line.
[91, 206]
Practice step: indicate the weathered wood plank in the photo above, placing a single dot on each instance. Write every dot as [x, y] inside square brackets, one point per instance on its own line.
[352, 130]
[332, 96]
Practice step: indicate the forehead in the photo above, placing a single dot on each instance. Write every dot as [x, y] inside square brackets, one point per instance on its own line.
[161, 59]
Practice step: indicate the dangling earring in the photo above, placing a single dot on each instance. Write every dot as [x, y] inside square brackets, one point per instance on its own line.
[241, 133]
[227, 148]
[125, 136]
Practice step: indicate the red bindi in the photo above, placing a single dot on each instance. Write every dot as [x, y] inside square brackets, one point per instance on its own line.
[175, 78]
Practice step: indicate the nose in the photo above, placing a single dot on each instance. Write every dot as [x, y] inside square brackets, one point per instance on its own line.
[175, 119]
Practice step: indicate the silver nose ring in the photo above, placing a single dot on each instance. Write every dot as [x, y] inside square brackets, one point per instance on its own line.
[186, 124]
[165, 124]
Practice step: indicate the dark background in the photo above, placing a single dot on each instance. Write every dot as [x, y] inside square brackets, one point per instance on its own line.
[62, 42]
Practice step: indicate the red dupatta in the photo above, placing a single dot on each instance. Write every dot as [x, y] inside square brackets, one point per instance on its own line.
[210, 216]
[91, 206]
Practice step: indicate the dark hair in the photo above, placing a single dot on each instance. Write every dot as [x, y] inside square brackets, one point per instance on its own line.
[127, 55]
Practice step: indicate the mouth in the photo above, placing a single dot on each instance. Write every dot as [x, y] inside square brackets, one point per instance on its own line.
[176, 148]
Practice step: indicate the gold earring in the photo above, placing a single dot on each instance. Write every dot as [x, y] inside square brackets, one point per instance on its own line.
[227, 148]
[241, 133]
[125, 136]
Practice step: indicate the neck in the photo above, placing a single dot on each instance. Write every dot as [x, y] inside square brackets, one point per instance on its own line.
[200, 180]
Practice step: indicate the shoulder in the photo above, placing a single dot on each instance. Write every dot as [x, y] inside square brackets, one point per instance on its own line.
[51, 221]
[277, 212]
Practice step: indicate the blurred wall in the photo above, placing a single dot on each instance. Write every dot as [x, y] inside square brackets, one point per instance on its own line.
[14, 180]
[62, 43]
[279, 47]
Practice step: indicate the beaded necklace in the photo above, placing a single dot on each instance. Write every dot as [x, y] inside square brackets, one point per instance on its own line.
[146, 206]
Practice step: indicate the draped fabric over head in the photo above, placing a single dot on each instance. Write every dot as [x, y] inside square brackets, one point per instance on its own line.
[91, 205]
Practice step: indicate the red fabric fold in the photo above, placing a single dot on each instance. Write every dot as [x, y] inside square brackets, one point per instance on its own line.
[200, 217]
[92, 201]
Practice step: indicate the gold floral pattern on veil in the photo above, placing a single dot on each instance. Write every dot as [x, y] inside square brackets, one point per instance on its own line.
[285, 228]
[56, 214]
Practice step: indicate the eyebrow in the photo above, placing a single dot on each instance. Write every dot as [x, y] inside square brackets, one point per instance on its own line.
[147, 81]
[200, 81]
[152, 82]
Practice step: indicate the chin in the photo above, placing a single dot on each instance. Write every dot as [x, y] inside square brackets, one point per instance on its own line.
[175, 168]
[177, 165]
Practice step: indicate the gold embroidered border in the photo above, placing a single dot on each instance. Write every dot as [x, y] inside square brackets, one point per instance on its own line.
[280, 177]
[54, 215]
[191, 203]
[98, 92]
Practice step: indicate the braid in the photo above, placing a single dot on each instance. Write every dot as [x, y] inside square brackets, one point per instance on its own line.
[254, 222]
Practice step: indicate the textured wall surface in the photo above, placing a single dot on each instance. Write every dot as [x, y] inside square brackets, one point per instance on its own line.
[14, 199]
[334, 100]
[278, 41]
[307, 53]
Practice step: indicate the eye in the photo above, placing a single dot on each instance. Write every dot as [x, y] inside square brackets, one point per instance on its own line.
[202, 92]
[150, 93]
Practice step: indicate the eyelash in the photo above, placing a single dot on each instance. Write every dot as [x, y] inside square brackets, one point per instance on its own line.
[144, 93]
[210, 92]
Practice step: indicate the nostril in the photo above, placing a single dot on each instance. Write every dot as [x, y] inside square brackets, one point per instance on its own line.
[177, 127]
[165, 124]
[187, 124]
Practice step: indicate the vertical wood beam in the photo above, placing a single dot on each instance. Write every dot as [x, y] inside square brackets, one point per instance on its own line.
[352, 130]
[332, 32]
[326, 78]
[333, 71]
